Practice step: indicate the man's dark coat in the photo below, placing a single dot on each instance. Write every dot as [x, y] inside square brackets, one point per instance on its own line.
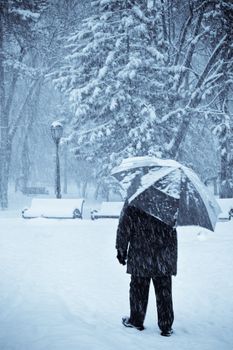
[150, 245]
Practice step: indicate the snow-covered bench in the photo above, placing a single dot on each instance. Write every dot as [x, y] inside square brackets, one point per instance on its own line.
[110, 210]
[226, 205]
[54, 208]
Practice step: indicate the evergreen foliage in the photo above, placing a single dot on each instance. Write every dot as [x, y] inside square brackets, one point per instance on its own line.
[138, 72]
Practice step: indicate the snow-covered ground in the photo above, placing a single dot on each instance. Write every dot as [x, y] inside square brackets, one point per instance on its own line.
[61, 288]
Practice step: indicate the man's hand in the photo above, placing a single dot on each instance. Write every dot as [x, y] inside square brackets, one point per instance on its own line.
[121, 256]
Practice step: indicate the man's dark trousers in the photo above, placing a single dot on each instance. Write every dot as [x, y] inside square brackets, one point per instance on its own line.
[139, 294]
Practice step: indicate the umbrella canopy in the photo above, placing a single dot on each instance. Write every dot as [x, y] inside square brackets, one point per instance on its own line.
[133, 164]
[170, 192]
[130, 171]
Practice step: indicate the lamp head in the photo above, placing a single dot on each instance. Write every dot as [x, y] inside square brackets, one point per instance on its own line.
[56, 131]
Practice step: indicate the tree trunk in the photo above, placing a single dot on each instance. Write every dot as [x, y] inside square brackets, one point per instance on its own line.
[97, 190]
[225, 137]
[5, 169]
[4, 146]
[226, 184]
[30, 116]
[25, 172]
[84, 188]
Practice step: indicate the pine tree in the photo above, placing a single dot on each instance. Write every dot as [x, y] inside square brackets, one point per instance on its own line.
[139, 72]
[114, 80]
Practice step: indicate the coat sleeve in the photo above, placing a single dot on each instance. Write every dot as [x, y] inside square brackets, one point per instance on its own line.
[123, 230]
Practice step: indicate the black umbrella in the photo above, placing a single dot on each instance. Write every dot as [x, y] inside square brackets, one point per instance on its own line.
[172, 193]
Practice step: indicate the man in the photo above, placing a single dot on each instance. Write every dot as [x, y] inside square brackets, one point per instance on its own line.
[150, 248]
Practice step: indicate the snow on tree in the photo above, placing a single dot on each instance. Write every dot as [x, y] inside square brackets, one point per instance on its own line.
[17, 21]
[114, 80]
[139, 72]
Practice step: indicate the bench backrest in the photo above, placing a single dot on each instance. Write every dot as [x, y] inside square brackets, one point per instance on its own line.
[57, 205]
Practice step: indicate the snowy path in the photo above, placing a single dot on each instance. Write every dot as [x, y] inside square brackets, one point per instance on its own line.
[61, 288]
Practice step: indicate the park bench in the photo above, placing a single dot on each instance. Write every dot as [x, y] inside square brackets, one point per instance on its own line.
[107, 210]
[54, 208]
[226, 205]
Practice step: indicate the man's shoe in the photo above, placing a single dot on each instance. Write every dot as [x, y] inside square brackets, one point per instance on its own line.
[126, 322]
[166, 332]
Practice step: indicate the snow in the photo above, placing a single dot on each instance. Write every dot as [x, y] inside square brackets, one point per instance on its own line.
[110, 209]
[136, 162]
[210, 203]
[56, 123]
[58, 208]
[26, 14]
[62, 288]
[153, 176]
[226, 205]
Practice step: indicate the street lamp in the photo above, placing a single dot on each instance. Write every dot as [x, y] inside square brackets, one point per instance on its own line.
[56, 131]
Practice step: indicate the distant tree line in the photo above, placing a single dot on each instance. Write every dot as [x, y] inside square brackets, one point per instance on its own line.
[30, 41]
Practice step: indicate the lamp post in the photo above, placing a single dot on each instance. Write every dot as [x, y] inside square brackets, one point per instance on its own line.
[56, 131]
